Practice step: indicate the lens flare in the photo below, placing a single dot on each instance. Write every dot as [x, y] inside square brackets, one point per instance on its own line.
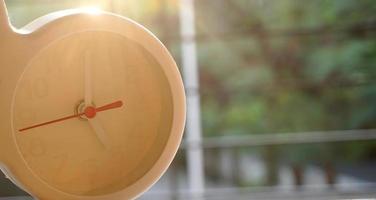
[91, 10]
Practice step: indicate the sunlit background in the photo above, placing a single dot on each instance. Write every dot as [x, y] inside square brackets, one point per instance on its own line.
[287, 91]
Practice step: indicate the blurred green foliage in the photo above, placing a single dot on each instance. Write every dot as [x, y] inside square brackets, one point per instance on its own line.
[268, 66]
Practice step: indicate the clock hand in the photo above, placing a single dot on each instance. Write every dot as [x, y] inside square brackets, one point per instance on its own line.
[89, 112]
[87, 74]
[93, 122]
[53, 121]
[99, 131]
[116, 104]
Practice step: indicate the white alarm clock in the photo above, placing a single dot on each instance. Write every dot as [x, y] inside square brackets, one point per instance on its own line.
[92, 106]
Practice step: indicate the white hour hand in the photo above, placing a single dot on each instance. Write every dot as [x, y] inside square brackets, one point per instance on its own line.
[99, 131]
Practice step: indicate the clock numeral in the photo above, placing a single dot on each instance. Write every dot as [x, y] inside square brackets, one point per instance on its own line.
[26, 88]
[27, 115]
[61, 163]
[131, 75]
[40, 88]
[53, 68]
[117, 157]
[92, 171]
[37, 147]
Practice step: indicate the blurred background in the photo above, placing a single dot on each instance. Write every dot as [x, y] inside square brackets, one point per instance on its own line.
[284, 104]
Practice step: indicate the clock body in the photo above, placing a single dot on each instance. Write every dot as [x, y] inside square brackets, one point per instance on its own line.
[46, 70]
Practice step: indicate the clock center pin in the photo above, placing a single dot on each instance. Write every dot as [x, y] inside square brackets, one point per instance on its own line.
[89, 111]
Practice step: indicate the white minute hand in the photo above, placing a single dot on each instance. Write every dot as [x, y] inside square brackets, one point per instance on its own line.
[94, 122]
[88, 89]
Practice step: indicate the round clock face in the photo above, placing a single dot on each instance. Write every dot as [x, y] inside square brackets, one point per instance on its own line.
[92, 113]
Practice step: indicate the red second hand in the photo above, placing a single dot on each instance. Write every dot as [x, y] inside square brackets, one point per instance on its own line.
[89, 112]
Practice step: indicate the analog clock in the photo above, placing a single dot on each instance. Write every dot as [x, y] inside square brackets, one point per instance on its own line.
[92, 105]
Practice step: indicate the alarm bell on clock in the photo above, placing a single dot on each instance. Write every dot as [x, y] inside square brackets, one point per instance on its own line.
[92, 106]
